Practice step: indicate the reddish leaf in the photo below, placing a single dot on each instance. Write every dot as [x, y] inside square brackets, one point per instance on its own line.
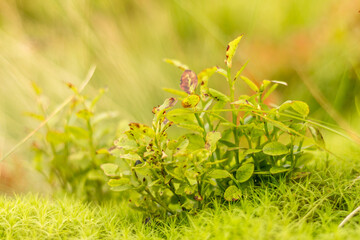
[188, 81]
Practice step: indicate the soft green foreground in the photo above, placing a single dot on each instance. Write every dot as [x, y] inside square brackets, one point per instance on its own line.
[310, 208]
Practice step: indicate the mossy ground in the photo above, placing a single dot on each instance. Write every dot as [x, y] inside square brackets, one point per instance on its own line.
[308, 208]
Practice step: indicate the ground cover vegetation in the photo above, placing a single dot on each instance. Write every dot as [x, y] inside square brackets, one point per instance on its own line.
[307, 208]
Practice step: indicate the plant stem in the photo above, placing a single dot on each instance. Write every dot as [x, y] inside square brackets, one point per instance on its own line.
[159, 202]
[234, 115]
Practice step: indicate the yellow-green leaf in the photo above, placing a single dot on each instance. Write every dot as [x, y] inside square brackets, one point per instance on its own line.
[168, 103]
[232, 193]
[245, 172]
[218, 95]
[219, 173]
[176, 63]
[110, 169]
[250, 83]
[191, 101]
[231, 49]
[175, 92]
[275, 149]
[211, 140]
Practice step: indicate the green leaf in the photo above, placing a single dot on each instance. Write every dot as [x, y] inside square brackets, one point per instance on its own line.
[245, 172]
[35, 116]
[193, 127]
[264, 85]
[276, 170]
[301, 107]
[36, 88]
[181, 116]
[222, 72]
[103, 151]
[56, 137]
[298, 106]
[191, 101]
[110, 169]
[218, 95]
[188, 81]
[176, 63]
[231, 49]
[203, 79]
[275, 149]
[219, 173]
[77, 132]
[122, 188]
[205, 74]
[175, 92]
[118, 182]
[84, 114]
[168, 103]
[272, 88]
[232, 193]
[130, 156]
[317, 136]
[211, 140]
[241, 70]
[250, 83]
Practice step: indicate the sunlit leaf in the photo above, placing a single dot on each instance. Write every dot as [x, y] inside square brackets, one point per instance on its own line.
[35, 116]
[219, 173]
[110, 169]
[84, 114]
[298, 106]
[250, 83]
[245, 172]
[168, 103]
[36, 88]
[222, 72]
[211, 140]
[203, 77]
[175, 92]
[191, 101]
[232, 193]
[276, 170]
[317, 136]
[176, 63]
[219, 96]
[275, 149]
[241, 70]
[77, 132]
[268, 92]
[231, 49]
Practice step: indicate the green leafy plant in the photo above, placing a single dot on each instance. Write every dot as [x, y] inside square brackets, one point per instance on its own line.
[66, 153]
[215, 157]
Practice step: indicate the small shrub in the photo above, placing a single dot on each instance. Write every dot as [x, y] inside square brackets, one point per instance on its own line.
[215, 157]
[66, 153]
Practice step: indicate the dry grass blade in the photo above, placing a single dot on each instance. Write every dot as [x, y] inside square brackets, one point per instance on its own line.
[324, 103]
[348, 217]
[53, 114]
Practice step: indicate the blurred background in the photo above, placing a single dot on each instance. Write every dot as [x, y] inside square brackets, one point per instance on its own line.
[312, 45]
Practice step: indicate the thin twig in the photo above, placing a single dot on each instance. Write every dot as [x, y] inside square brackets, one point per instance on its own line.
[56, 111]
[348, 217]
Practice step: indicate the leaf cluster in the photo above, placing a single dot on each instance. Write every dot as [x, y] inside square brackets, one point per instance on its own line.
[66, 152]
[218, 155]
